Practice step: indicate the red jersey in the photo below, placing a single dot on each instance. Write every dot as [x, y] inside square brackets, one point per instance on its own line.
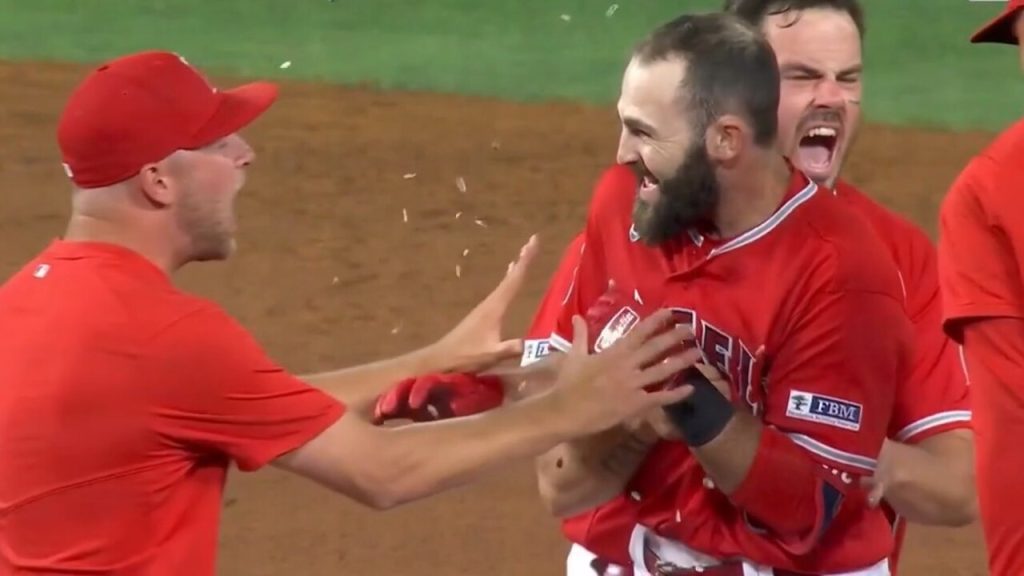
[535, 344]
[804, 315]
[605, 530]
[935, 397]
[124, 402]
[981, 266]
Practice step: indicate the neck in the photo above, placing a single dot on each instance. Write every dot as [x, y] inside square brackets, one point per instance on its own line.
[83, 228]
[751, 193]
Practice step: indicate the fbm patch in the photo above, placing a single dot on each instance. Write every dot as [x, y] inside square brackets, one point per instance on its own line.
[616, 328]
[824, 409]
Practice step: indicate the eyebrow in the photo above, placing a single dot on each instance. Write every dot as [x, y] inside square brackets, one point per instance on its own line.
[638, 125]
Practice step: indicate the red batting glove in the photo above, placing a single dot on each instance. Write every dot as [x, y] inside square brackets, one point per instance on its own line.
[439, 396]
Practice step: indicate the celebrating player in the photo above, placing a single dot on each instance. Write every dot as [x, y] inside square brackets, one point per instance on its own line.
[924, 471]
[125, 399]
[981, 255]
[791, 296]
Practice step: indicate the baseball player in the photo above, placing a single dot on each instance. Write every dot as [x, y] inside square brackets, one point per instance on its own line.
[790, 295]
[125, 399]
[980, 261]
[924, 470]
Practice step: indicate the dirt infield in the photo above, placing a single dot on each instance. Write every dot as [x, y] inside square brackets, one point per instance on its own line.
[329, 273]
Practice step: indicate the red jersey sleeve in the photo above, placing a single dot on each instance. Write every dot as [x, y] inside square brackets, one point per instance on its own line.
[830, 389]
[935, 397]
[590, 279]
[214, 390]
[535, 345]
[981, 228]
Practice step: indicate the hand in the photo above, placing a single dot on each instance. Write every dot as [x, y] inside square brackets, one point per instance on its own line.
[599, 391]
[716, 378]
[439, 396]
[475, 344]
[887, 474]
[654, 425]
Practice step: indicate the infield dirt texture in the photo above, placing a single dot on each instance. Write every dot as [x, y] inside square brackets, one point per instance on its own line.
[352, 227]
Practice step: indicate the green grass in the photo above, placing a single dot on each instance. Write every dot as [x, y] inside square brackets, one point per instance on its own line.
[921, 70]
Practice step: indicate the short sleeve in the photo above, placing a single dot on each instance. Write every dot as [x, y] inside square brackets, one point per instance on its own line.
[935, 398]
[590, 278]
[831, 387]
[978, 272]
[536, 343]
[215, 390]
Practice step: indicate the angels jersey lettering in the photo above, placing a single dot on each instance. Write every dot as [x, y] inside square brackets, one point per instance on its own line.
[808, 304]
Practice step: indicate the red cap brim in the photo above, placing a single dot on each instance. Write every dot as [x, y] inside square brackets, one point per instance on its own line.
[238, 108]
[999, 30]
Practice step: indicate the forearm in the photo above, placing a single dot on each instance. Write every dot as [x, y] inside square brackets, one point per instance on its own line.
[771, 479]
[932, 482]
[358, 387]
[584, 473]
[727, 458]
[424, 459]
[523, 382]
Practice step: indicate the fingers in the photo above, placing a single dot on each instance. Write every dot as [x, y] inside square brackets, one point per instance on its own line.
[716, 379]
[877, 490]
[580, 339]
[657, 347]
[664, 370]
[516, 274]
[510, 349]
[643, 331]
[669, 396]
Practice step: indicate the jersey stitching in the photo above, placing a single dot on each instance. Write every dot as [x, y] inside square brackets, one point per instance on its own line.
[768, 225]
[834, 454]
[933, 421]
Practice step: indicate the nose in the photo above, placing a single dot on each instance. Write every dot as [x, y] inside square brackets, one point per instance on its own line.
[629, 151]
[828, 93]
[246, 155]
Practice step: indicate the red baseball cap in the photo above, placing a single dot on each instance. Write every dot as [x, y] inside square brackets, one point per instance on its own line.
[1000, 30]
[143, 107]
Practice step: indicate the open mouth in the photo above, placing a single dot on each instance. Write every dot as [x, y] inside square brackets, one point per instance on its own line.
[647, 186]
[817, 148]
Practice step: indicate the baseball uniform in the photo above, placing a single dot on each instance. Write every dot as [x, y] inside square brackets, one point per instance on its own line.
[124, 402]
[599, 535]
[934, 399]
[804, 315]
[981, 258]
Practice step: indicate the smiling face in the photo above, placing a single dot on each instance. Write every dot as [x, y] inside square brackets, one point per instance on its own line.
[677, 184]
[819, 55]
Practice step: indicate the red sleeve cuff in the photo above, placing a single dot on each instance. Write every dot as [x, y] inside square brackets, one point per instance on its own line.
[934, 425]
[786, 493]
[261, 454]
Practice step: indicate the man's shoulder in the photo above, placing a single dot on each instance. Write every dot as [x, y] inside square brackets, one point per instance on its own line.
[846, 249]
[911, 248]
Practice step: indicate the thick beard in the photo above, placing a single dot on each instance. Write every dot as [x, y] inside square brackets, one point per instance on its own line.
[687, 199]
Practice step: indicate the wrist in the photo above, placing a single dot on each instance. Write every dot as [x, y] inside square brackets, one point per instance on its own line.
[702, 416]
[433, 358]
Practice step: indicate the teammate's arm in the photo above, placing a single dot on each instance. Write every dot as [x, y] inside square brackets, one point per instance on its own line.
[582, 474]
[830, 391]
[925, 471]
[930, 482]
[473, 345]
[384, 467]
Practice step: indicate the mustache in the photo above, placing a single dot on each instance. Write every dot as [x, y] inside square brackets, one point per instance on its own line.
[823, 117]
